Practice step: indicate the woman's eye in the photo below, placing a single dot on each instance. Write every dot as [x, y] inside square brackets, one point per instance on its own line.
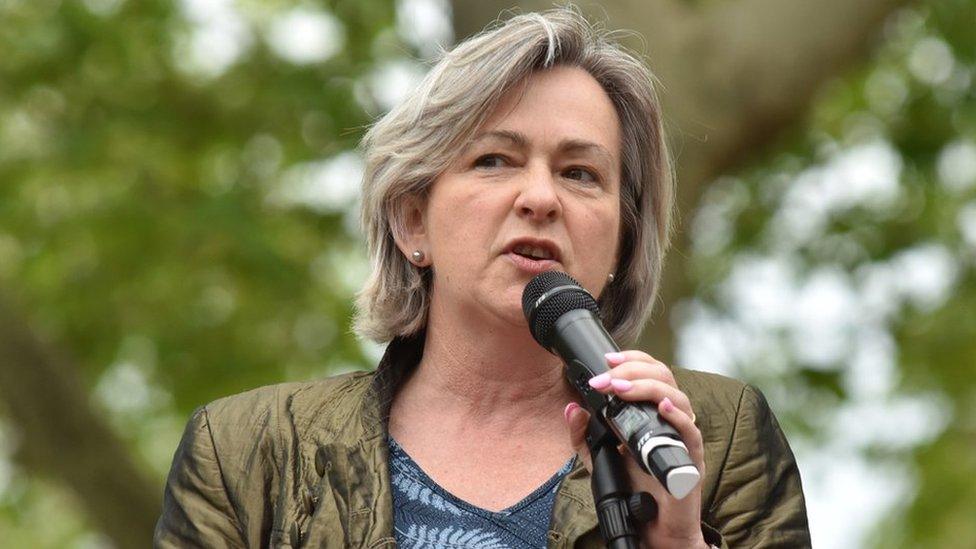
[581, 174]
[490, 161]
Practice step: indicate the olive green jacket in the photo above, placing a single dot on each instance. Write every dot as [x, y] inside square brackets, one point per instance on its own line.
[306, 464]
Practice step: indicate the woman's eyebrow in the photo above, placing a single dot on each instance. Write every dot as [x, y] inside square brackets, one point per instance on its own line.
[568, 146]
[580, 146]
[514, 138]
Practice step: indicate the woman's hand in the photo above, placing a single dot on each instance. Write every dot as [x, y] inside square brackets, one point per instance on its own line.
[636, 376]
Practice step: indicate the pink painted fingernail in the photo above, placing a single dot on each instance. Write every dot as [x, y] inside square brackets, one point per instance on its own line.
[601, 381]
[615, 358]
[621, 385]
[667, 405]
[570, 410]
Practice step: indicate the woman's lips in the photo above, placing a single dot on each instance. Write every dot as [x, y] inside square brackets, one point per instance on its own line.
[532, 266]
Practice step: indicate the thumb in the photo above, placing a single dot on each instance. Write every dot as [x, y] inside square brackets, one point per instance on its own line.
[576, 420]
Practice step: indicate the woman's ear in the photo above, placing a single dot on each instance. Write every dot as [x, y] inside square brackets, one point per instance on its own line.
[412, 229]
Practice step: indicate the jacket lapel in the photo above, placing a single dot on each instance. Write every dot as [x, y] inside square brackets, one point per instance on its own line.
[351, 465]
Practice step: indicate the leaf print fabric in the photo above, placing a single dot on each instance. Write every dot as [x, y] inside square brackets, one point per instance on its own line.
[427, 516]
[420, 536]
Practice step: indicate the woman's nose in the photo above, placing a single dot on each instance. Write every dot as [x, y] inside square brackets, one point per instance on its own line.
[538, 200]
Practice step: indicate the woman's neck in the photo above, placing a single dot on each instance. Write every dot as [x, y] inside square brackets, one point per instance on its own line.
[492, 374]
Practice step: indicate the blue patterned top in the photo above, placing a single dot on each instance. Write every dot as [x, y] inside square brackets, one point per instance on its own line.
[426, 515]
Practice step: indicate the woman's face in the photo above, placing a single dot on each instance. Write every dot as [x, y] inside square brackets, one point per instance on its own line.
[537, 189]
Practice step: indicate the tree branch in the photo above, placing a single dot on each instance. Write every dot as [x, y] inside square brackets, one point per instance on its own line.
[65, 439]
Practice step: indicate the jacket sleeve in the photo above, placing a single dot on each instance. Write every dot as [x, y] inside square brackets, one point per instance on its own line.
[196, 509]
[759, 499]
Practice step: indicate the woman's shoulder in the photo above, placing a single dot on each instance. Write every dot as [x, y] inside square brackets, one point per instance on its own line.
[707, 390]
[242, 457]
[707, 381]
[272, 420]
[721, 403]
[320, 402]
[269, 397]
[752, 490]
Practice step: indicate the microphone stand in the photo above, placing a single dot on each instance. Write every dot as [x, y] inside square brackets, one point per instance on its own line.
[618, 510]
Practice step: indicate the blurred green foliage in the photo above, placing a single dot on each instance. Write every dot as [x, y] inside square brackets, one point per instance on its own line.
[138, 221]
[906, 254]
[135, 196]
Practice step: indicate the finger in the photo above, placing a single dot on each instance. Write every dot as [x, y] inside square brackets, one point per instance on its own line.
[577, 420]
[606, 384]
[687, 430]
[641, 389]
[652, 390]
[615, 359]
[638, 370]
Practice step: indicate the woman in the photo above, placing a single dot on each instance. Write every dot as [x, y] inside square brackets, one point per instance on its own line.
[533, 147]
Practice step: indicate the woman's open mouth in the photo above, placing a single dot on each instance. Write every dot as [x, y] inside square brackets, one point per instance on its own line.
[534, 256]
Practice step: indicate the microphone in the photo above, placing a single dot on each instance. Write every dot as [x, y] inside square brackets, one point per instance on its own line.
[565, 319]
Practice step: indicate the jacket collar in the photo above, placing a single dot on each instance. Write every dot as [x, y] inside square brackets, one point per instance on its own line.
[400, 359]
[359, 446]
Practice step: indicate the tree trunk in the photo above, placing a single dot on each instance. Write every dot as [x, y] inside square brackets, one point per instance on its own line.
[64, 438]
[735, 75]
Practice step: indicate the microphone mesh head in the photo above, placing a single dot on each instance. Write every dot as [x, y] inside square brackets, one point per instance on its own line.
[542, 314]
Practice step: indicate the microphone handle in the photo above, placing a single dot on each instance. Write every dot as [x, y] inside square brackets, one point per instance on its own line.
[653, 442]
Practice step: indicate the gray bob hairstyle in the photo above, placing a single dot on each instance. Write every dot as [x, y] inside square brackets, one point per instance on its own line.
[410, 146]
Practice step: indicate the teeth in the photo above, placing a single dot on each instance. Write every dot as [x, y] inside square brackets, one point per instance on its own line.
[535, 252]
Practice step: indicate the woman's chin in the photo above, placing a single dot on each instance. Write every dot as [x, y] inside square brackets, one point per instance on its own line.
[507, 309]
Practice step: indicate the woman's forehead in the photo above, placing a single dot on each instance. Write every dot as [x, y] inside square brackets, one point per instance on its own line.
[564, 105]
